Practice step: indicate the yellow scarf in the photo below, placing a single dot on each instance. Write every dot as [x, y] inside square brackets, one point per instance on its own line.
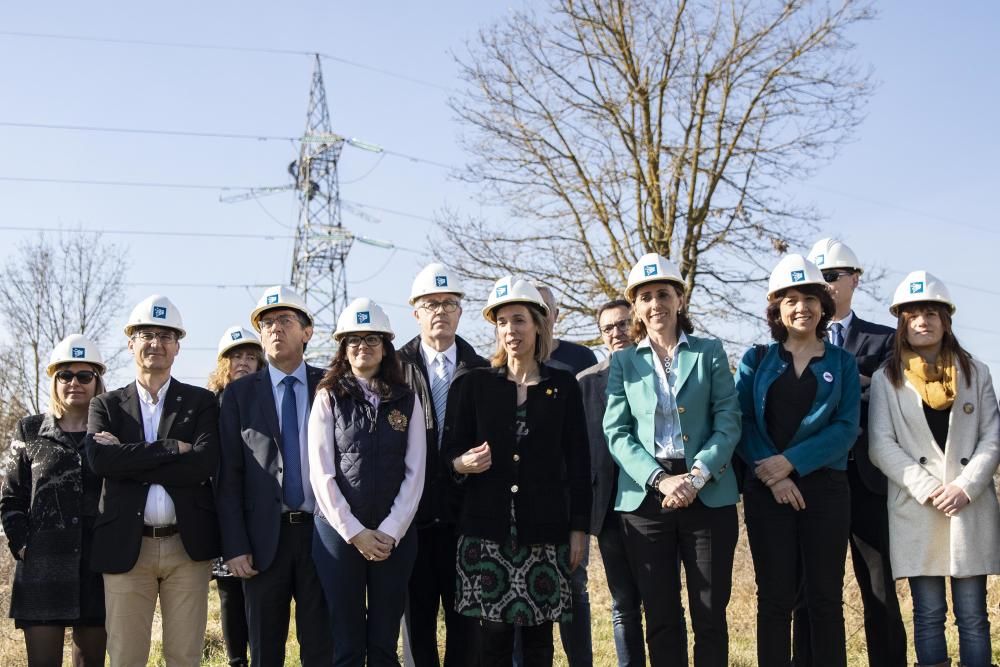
[935, 382]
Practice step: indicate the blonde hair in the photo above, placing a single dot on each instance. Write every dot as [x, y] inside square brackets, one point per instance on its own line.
[543, 340]
[56, 405]
[219, 377]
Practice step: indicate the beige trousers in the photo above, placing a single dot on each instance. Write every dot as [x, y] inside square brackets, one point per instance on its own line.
[163, 569]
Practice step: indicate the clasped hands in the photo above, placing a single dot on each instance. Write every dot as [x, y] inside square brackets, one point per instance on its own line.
[774, 471]
[374, 545]
[677, 491]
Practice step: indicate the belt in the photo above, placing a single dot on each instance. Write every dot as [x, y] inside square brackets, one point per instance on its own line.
[159, 532]
[295, 518]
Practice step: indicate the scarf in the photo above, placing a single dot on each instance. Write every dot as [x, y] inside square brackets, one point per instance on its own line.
[934, 382]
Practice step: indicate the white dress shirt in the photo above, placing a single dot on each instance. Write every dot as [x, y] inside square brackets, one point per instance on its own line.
[159, 505]
[302, 405]
[431, 358]
[846, 323]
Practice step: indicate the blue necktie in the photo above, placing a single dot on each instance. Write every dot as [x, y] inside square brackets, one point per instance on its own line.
[439, 393]
[837, 334]
[291, 485]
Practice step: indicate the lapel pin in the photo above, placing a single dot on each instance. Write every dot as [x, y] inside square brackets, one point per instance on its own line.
[828, 376]
[969, 408]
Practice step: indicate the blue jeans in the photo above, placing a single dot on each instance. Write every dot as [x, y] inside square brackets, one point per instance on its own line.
[626, 605]
[930, 608]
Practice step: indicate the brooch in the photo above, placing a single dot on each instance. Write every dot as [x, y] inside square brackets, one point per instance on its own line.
[552, 391]
[397, 420]
[969, 408]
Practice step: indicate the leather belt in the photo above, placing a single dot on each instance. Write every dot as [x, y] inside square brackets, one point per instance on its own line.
[159, 532]
[295, 518]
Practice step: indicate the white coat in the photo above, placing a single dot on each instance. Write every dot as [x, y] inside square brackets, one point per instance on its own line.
[923, 541]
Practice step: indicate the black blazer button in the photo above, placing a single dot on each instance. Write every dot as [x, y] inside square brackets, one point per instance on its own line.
[964, 462]
[923, 459]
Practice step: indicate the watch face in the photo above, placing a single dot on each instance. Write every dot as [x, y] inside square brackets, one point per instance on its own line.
[697, 481]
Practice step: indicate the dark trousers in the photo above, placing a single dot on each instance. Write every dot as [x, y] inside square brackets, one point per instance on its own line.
[496, 642]
[626, 604]
[432, 584]
[780, 540]
[704, 540]
[233, 618]
[366, 599]
[885, 634]
[269, 596]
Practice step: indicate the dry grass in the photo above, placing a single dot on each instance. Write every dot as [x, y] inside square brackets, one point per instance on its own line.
[742, 610]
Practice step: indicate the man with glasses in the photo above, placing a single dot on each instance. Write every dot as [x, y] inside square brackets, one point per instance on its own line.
[263, 493]
[431, 362]
[155, 442]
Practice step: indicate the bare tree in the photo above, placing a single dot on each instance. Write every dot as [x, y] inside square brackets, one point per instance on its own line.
[612, 128]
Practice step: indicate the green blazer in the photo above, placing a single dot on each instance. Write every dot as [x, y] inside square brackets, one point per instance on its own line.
[709, 412]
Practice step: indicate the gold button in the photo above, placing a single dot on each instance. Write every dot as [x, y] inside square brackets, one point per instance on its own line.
[517, 457]
[680, 409]
[513, 489]
[686, 437]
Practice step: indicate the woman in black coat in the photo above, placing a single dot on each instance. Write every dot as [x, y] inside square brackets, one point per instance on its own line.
[48, 504]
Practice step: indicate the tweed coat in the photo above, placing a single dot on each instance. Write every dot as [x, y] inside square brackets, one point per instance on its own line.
[922, 540]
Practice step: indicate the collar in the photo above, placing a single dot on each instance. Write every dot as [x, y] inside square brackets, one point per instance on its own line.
[846, 322]
[147, 397]
[277, 376]
[645, 344]
[430, 354]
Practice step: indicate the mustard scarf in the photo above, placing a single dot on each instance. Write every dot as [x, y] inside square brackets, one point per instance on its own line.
[934, 382]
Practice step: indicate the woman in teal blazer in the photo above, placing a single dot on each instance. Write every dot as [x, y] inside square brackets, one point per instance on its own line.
[672, 422]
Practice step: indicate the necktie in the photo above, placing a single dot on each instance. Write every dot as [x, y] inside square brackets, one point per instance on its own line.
[291, 485]
[837, 334]
[439, 392]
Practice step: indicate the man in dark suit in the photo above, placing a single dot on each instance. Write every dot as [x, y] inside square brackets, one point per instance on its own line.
[871, 344]
[431, 362]
[613, 319]
[155, 442]
[263, 493]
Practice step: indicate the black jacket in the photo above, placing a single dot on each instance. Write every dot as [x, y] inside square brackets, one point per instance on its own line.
[603, 469]
[48, 504]
[547, 474]
[190, 414]
[442, 496]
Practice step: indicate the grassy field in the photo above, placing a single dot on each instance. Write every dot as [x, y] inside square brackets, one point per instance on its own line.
[742, 610]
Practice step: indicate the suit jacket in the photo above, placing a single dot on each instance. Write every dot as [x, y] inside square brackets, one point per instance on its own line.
[871, 344]
[603, 469]
[709, 414]
[248, 485]
[190, 414]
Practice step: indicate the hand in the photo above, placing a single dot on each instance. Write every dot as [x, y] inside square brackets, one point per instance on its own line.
[949, 499]
[242, 566]
[374, 545]
[105, 438]
[677, 491]
[773, 469]
[183, 447]
[865, 380]
[20, 554]
[786, 493]
[476, 460]
[577, 548]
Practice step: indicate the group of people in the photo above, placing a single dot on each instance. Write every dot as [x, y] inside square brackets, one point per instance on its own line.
[399, 482]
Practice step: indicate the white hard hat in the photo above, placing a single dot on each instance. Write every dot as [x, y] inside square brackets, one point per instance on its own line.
[435, 279]
[72, 349]
[156, 311]
[921, 286]
[652, 268]
[511, 290]
[279, 296]
[833, 254]
[794, 270]
[363, 316]
[236, 336]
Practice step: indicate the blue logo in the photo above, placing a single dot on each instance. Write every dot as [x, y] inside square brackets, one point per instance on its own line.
[917, 287]
[798, 276]
[78, 352]
[272, 298]
[440, 281]
[364, 317]
[820, 260]
[649, 270]
[236, 335]
[501, 291]
[160, 312]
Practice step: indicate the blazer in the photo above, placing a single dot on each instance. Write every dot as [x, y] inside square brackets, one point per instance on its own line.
[708, 410]
[922, 540]
[248, 484]
[828, 430]
[871, 344]
[547, 475]
[190, 414]
[603, 469]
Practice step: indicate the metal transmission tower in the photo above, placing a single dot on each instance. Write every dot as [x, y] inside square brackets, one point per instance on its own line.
[321, 242]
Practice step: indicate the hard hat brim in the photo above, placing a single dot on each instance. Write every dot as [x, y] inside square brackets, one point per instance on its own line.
[894, 308]
[50, 370]
[260, 310]
[490, 310]
[630, 290]
[130, 327]
[414, 297]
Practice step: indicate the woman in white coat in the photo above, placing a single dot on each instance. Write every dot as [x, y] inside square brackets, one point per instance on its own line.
[934, 431]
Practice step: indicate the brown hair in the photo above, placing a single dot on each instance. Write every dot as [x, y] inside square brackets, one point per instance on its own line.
[614, 303]
[339, 376]
[56, 406]
[637, 330]
[773, 313]
[543, 339]
[219, 377]
[951, 351]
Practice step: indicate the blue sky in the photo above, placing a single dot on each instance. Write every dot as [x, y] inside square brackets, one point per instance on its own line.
[912, 190]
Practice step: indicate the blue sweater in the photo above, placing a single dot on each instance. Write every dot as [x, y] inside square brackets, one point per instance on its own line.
[828, 430]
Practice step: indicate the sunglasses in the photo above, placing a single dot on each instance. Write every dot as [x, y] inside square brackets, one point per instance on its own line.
[834, 276]
[83, 377]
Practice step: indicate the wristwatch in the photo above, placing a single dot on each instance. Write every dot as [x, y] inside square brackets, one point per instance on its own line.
[697, 481]
[655, 484]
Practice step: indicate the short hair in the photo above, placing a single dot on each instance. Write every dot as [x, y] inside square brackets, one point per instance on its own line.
[543, 339]
[219, 377]
[951, 350]
[390, 371]
[773, 313]
[56, 405]
[637, 331]
[614, 303]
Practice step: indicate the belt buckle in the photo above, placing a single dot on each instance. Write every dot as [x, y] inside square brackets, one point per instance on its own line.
[295, 518]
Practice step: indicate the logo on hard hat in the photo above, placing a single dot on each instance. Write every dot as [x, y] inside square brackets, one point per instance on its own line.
[272, 298]
[440, 281]
[501, 291]
[798, 276]
[364, 317]
[820, 260]
[649, 270]
[917, 287]
[236, 335]
[78, 352]
[160, 312]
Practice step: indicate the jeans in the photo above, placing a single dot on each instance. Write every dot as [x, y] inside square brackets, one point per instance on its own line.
[930, 607]
[626, 605]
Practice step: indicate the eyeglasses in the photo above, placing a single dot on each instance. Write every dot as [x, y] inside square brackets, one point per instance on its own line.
[164, 337]
[284, 322]
[83, 377]
[449, 306]
[620, 325]
[834, 276]
[371, 340]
